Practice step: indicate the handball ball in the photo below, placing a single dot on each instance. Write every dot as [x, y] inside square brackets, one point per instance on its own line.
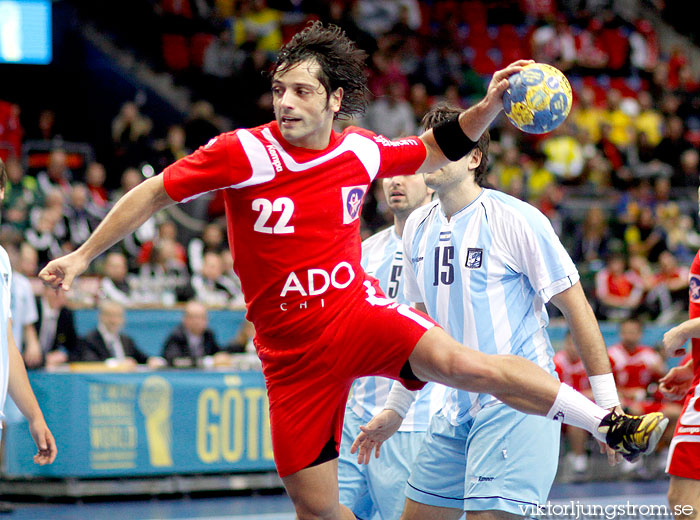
[538, 98]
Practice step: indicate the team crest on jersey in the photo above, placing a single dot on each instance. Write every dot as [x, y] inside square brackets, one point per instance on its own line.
[694, 288]
[352, 202]
[474, 256]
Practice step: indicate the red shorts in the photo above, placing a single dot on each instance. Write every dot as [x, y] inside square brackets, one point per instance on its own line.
[308, 384]
[684, 453]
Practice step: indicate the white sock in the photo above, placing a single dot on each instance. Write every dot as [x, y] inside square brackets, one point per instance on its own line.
[571, 407]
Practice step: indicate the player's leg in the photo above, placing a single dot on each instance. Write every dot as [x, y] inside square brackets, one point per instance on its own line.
[684, 494]
[514, 380]
[415, 511]
[314, 493]
[388, 474]
[522, 385]
[512, 460]
[435, 488]
[353, 478]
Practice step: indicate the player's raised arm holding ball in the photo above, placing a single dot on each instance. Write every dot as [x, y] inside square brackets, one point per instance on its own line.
[320, 321]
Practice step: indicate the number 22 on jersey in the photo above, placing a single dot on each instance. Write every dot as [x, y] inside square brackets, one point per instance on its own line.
[266, 208]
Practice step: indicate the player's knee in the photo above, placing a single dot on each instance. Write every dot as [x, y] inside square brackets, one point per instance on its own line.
[316, 508]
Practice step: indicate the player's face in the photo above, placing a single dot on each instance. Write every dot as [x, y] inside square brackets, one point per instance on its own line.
[630, 334]
[404, 193]
[303, 113]
[454, 173]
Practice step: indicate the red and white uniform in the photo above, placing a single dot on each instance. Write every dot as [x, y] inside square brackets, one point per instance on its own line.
[684, 453]
[573, 373]
[293, 228]
[634, 371]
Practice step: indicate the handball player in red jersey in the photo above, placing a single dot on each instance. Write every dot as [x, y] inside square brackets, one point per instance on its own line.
[293, 191]
[684, 380]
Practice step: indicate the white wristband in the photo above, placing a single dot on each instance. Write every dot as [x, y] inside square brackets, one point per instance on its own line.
[399, 399]
[604, 390]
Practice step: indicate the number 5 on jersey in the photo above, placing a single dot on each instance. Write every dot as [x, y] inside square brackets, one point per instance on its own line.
[266, 208]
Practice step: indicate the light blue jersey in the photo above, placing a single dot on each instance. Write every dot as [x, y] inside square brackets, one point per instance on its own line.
[5, 315]
[382, 258]
[485, 276]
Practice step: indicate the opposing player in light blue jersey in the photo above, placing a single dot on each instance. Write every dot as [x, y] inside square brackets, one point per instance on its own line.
[483, 264]
[378, 487]
[13, 375]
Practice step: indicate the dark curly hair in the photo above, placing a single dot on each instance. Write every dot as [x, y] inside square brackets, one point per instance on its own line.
[342, 64]
[443, 112]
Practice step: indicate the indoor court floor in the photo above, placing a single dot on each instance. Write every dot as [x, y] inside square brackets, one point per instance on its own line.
[612, 501]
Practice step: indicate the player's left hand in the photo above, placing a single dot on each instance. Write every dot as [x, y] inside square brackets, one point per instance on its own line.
[45, 443]
[374, 433]
[614, 457]
[674, 341]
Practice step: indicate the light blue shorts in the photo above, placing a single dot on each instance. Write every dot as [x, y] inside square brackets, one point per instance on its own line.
[501, 460]
[378, 487]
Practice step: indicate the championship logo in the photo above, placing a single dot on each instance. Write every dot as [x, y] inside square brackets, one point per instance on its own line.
[474, 255]
[694, 288]
[352, 202]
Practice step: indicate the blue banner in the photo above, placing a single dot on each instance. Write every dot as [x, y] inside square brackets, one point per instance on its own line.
[111, 425]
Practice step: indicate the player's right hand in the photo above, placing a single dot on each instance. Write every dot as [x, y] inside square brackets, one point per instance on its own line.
[61, 272]
[499, 83]
[677, 382]
[374, 433]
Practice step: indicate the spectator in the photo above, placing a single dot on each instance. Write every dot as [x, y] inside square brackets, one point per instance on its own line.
[591, 244]
[21, 193]
[211, 287]
[162, 279]
[635, 366]
[130, 130]
[586, 116]
[56, 328]
[671, 281]
[201, 125]
[114, 285]
[191, 342]
[637, 369]
[645, 237]
[95, 178]
[391, 115]
[672, 147]
[619, 292]
[28, 261]
[649, 121]
[57, 173]
[43, 239]
[571, 371]
[166, 231]
[81, 221]
[688, 171]
[172, 149]
[212, 240]
[108, 341]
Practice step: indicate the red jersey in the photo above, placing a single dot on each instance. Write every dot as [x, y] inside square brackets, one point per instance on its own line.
[293, 217]
[571, 373]
[694, 311]
[636, 369]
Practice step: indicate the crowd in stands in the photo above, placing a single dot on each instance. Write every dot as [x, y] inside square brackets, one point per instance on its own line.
[618, 179]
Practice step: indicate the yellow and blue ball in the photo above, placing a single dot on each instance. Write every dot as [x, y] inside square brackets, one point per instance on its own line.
[538, 98]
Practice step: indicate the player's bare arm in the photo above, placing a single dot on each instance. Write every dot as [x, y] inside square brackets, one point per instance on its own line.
[591, 347]
[475, 120]
[22, 394]
[130, 212]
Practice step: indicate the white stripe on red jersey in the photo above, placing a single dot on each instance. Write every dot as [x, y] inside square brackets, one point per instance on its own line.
[293, 218]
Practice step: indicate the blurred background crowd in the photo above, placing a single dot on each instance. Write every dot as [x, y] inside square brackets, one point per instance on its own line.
[138, 84]
[618, 180]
